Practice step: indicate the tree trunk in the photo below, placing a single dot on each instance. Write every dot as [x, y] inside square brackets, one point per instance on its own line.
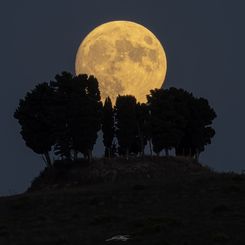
[75, 155]
[85, 155]
[90, 156]
[48, 160]
[109, 152]
[150, 145]
[127, 153]
[142, 145]
[197, 154]
[158, 154]
[177, 153]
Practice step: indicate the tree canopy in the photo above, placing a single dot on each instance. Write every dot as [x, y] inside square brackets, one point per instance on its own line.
[108, 127]
[180, 121]
[65, 115]
[36, 117]
[79, 101]
[125, 122]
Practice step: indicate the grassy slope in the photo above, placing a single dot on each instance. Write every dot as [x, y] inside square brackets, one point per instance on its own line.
[191, 206]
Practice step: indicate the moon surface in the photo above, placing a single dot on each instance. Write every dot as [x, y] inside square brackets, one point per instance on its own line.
[125, 57]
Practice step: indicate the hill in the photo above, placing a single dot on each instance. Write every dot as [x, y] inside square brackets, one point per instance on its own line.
[153, 201]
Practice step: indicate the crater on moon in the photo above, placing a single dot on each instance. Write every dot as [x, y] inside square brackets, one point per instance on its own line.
[125, 57]
[148, 40]
[98, 50]
[136, 54]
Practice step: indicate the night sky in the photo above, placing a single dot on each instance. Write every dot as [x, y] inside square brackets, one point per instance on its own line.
[204, 42]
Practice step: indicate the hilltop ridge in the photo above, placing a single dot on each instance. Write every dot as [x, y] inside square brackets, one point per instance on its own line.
[66, 174]
[159, 201]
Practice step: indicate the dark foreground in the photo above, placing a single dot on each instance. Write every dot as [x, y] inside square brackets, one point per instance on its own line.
[195, 206]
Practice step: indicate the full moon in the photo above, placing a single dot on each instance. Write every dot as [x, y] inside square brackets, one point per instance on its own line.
[125, 57]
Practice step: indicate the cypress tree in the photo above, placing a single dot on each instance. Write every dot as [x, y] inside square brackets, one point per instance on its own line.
[108, 126]
[126, 123]
[166, 122]
[80, 117]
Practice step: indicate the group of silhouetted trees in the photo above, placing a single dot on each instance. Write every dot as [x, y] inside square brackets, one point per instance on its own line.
[62, 116]
[65, 115]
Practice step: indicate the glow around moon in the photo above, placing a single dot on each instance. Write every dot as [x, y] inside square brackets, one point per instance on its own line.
[125, 57]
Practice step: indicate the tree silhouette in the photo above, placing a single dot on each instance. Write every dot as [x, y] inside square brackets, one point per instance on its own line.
[66, 114]
[142, 118]
[166, 122]
[80, 117]
[37, 120]
[63, 86]
[108, 126]
[180, 121]
[198, 132]
[126, 122]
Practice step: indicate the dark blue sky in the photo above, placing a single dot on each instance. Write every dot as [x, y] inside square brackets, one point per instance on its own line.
[204, 42]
